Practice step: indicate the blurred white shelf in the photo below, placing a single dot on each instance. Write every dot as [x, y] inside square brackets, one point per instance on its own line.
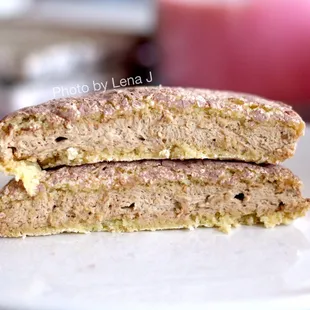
[133, 17]
[14, 7]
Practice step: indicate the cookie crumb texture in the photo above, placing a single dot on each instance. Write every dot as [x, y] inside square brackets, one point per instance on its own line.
[148, 123]
[152, 195]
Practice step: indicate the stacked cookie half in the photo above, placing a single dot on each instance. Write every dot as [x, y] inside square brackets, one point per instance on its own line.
[146, 159]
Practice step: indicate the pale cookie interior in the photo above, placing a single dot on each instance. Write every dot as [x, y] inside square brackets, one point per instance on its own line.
[28, 172]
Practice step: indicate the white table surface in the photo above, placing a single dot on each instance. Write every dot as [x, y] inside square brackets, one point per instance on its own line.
[250, 268]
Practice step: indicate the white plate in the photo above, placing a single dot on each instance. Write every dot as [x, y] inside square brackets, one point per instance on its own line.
[251, 268]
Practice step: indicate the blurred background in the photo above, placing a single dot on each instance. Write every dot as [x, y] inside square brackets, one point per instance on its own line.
[57, 48]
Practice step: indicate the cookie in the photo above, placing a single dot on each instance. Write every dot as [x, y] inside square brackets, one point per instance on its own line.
[146, 123]
[152, 195]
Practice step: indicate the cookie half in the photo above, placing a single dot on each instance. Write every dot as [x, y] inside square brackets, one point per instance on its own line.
[152, 195]
[146, 123]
